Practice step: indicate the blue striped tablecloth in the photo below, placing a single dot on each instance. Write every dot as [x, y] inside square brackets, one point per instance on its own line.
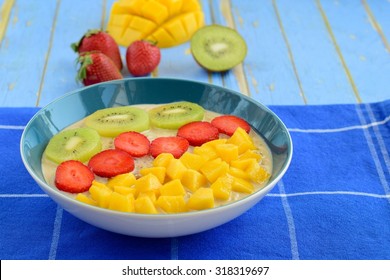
[333, 203]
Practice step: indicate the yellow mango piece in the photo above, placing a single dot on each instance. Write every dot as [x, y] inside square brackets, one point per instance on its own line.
[151, 194]
[242, 140]
[125, 190]
[172, 204]
[176, 169]
[227, 152]
[243, 164]
[174, 187]
[120, 202]
[167, 22]
[155, 11]
[242, 186]
[100, 193]
[214, 143]
[144, 205]
[193, 180]
[147, 183]
[222, 187]
[126, 179]
[158, 171]
[85, 199]
[203, 198]
[214, 169]
[257, 173]
[192, 161]
[236, 172]
[208, 152]
[163, 159]
[173, 6]
[251, 154]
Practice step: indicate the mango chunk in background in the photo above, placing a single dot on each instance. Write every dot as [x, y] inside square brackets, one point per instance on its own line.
[167, 22]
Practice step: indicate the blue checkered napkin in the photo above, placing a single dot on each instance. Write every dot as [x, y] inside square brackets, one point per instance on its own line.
[333, 202]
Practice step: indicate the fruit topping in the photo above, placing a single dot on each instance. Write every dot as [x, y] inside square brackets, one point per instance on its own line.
[198, 133]
[142, 57]
[110, 163]
[218, 48]
[97, 40]
[73, 176]
[168, 22]
[175, 115]
[228, 124]
[111, 122]
[73, 144]
[171, 144]
[134, 143]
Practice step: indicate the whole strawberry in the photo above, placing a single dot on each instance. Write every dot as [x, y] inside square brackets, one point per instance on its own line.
[97, 40]
[142, 57]
[96, 67]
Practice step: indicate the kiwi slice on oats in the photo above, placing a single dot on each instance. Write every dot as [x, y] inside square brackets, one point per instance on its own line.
[218, 48]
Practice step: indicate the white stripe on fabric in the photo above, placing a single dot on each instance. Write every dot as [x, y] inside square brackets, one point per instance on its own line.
[174, 248]
[290, 222]
[379, 137]
[12, 127]
[56, 234]
[373, 152]
[387, 196]
[340, 129]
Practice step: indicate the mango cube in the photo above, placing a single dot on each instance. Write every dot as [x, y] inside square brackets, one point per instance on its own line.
[151, 194]
[100, 193]
[208, 152]
[144, 205]
[222, 187]
[173, 187]
[85, 199]
[227, 152]
[214, 169]
[251, 154]
[146, 183]
[163, 159]
[127, 179]
[125, 190]
[193, 180]
[192, 161]
[176, 169]
[257, 173]
[158, 171]
[171, 204]
[237, 172]
[120, 202]
[202, 198]
[242, 140]
[242, 186]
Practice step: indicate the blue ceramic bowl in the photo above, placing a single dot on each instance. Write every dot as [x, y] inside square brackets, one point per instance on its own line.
[78, 104]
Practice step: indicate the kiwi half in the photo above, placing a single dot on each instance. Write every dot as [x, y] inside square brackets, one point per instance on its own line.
[73, 144]
[218, 48]
[111, 122]
[174, 115]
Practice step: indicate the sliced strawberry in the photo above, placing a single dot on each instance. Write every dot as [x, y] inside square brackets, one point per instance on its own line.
[228, 124]
[110, 163]
[134, 143]
[73, 176]
[198, 132]
[171, 144]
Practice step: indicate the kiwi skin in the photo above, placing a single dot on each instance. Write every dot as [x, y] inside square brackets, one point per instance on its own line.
[218, 62]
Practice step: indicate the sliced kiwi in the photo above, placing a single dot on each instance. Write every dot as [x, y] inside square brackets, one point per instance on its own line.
[218, 48]
[111, 122]
[174, 115]
[73, 144]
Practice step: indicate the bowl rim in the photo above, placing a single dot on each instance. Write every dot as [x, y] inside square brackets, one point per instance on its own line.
[259, 193]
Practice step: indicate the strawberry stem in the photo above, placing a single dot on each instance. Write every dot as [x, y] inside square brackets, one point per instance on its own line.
[85, 60]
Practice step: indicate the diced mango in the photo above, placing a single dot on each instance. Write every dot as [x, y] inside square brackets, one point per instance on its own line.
[243, 164]
[168, 22]
[242, 186]
[151, 194]
[176, 169]
[236, 172]
[147, 183]
[158, 171]
[257, 173]
[203, 198]
[192, 161]
[100, 193]
[174, 187]
[227, 152]
[172, 204]
[214, 169]
[120, 202]
[242, 140]
[125, 190]
[222, 187]
[163, 159]
[86, 199]
[251, 154]
[214, 143]
[208, 152]
[193, 180]
[145, 205]
[126, 179]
